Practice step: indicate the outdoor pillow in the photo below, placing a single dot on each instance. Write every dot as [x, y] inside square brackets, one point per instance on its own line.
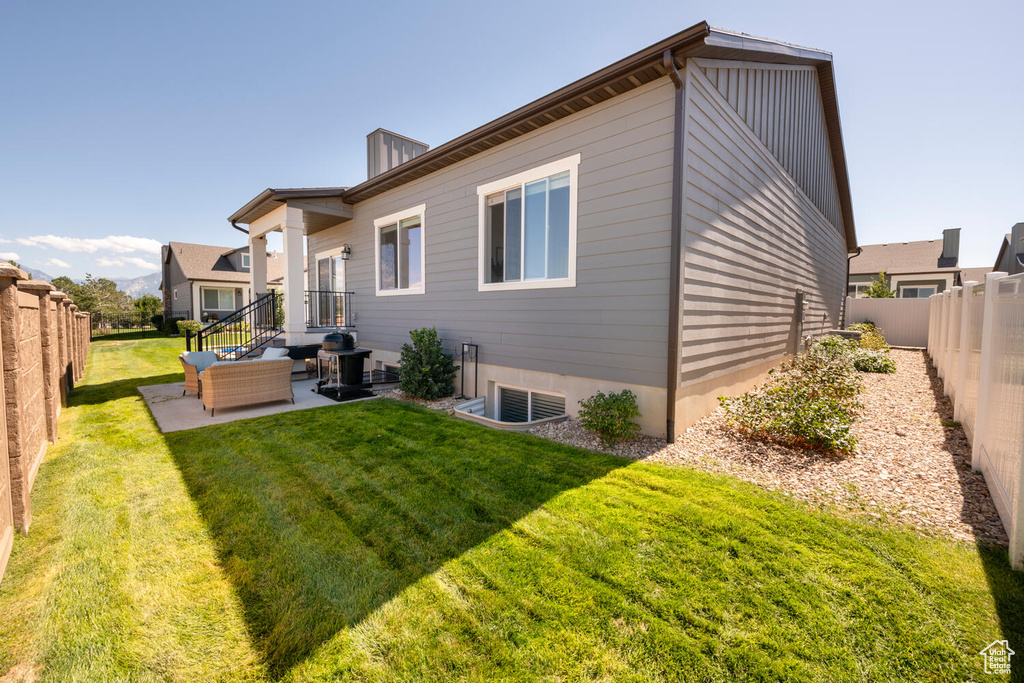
[274, 352]
[200, 359]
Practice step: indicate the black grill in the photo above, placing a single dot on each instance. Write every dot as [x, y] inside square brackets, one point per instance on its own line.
[339, 341]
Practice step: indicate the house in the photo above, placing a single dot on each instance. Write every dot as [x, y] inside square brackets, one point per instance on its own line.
[204, 282]
[912, 269]
[1011, 253]
[672, 224]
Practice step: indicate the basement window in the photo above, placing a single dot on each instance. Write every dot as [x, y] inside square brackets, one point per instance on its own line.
[526, 405]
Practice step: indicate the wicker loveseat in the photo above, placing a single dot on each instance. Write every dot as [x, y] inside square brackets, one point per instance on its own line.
[240, 383]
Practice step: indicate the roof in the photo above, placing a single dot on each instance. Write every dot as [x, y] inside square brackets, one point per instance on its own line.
[1002, 249]
[899, 258]
[207, 262]
[638, 69]
[974, 274]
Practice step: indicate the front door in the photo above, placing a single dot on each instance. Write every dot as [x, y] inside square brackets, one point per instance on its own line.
[329, 302]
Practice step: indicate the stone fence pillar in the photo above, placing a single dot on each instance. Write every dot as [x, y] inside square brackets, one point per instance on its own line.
[8, 276]
[69, 347]
[61, 355]
[76, 369]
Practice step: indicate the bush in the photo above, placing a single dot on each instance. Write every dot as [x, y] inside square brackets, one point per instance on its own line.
[808, 402]
[170, 325]
[873, 360]
[185, 326]
[610, 415]
[157, 321]
[870, 336]
[427, 371]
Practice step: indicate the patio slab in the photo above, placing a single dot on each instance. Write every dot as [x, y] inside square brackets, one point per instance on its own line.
[174, 412]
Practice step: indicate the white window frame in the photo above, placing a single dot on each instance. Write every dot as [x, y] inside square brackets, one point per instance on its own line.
[202, 298]
[332, 254]
[530, 391]
[246, 260]
[918, 288]
[378, 223]
[570, 164]
[175, 292]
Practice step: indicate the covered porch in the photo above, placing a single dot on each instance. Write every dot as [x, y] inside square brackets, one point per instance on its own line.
[313, 302]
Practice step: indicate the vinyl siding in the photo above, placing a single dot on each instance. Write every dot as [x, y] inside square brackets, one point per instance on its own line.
[782, 105]
[752, 238]
[613, 325]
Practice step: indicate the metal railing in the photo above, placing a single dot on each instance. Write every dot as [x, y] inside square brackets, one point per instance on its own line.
[237, 335]
[328, 309]
[123, 325]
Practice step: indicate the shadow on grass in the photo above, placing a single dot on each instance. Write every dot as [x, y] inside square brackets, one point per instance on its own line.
[320, 517]
[92, 394]
[1006, 585]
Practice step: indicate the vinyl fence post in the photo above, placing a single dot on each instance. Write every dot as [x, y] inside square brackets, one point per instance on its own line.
[966, 304]
[986, 372]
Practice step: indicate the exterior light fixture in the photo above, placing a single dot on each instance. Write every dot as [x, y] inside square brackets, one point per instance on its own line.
[346, 252]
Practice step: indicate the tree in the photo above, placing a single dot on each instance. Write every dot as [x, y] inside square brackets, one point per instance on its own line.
[95, 295]
[148, 306]
[879, 288]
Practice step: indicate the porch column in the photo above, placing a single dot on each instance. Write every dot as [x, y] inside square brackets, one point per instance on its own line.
[294, 286]
[258, 266]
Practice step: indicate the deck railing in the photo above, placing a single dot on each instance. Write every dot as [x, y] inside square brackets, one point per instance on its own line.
[328, 309]
[237, 335]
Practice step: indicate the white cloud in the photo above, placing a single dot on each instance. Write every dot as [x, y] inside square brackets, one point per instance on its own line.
[117, 244]
[4, 240]
[109, 262]
[9, 256]
[56, 263]
[141, 262]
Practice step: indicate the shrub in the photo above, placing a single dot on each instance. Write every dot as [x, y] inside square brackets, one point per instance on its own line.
[427, 371]
[873, 360]
[870, 336]
[185, 326]
[808, 402]
[170, 325]
[610, 415]
[158, 321]
[879, 288]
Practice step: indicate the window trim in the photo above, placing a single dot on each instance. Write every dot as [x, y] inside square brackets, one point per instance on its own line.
[530, 391]
[378, 223]
[246, 259]
[570, 164]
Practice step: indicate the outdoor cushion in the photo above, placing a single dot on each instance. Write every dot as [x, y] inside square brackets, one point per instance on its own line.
[274, 352]
[200, 359]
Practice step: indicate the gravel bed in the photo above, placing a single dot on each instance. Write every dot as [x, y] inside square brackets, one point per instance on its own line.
[909, 467]
[446, 405]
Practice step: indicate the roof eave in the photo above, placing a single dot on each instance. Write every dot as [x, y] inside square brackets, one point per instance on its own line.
[281, 195]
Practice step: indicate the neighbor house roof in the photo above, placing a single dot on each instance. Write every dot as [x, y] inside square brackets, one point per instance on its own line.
[640, 68]
[974, 274]
[900, 258]
[208, 262]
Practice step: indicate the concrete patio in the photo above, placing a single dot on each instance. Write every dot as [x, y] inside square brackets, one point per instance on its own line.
[174, 412]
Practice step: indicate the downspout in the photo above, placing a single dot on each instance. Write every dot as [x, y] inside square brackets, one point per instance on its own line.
[675, 252]
[239, 228]
[842, 317]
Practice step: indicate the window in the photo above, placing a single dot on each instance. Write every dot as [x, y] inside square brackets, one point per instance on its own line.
[526, 405]
[218, 299]
[175, 295]
[245, 259]
[528, 228]
[916, 292]
[857, 291]
[400, 252]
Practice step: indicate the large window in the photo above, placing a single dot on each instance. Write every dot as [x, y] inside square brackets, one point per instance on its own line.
[916, 292]
[218, 299]
[528, 228]
[400, 252]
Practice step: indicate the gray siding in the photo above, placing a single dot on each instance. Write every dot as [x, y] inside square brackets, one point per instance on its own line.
[782, 105]
[752, 238]
[178, 284]
[613, 324]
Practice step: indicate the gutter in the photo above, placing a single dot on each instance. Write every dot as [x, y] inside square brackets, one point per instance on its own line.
[239, 228]
[842, 315]
[676, 251]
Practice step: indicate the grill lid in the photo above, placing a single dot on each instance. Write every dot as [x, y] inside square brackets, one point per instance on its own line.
[339, 341]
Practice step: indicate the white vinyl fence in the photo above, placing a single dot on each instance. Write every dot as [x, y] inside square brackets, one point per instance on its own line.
[976, 342]
[904, 321]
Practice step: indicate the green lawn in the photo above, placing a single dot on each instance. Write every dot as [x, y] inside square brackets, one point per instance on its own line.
[380, 541]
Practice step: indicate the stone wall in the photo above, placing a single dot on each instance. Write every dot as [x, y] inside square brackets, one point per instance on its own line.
[44, 343]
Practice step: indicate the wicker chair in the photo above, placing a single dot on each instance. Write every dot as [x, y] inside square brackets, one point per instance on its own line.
[193, 363]
[242, 383]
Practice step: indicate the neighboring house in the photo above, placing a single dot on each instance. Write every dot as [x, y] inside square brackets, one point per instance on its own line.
[1011, 252]
[200, 280]
[913, 270]
[973, 275]
[672, 224]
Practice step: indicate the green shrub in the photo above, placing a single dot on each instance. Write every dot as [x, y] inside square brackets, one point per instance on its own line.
[427, 371]
[610, 415]
[185, 326]
[158, 321]
[870, 336]
[170, 325]
[873, 360]
[810, 401]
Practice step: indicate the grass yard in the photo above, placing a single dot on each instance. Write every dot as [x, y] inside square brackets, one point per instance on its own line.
[380, 541]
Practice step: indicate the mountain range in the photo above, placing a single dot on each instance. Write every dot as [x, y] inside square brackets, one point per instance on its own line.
[132, 286]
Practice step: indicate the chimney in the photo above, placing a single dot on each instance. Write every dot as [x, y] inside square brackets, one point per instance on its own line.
[386, 150]
[951, 245]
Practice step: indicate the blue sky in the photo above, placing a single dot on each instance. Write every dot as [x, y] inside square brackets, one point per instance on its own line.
[128, 124]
